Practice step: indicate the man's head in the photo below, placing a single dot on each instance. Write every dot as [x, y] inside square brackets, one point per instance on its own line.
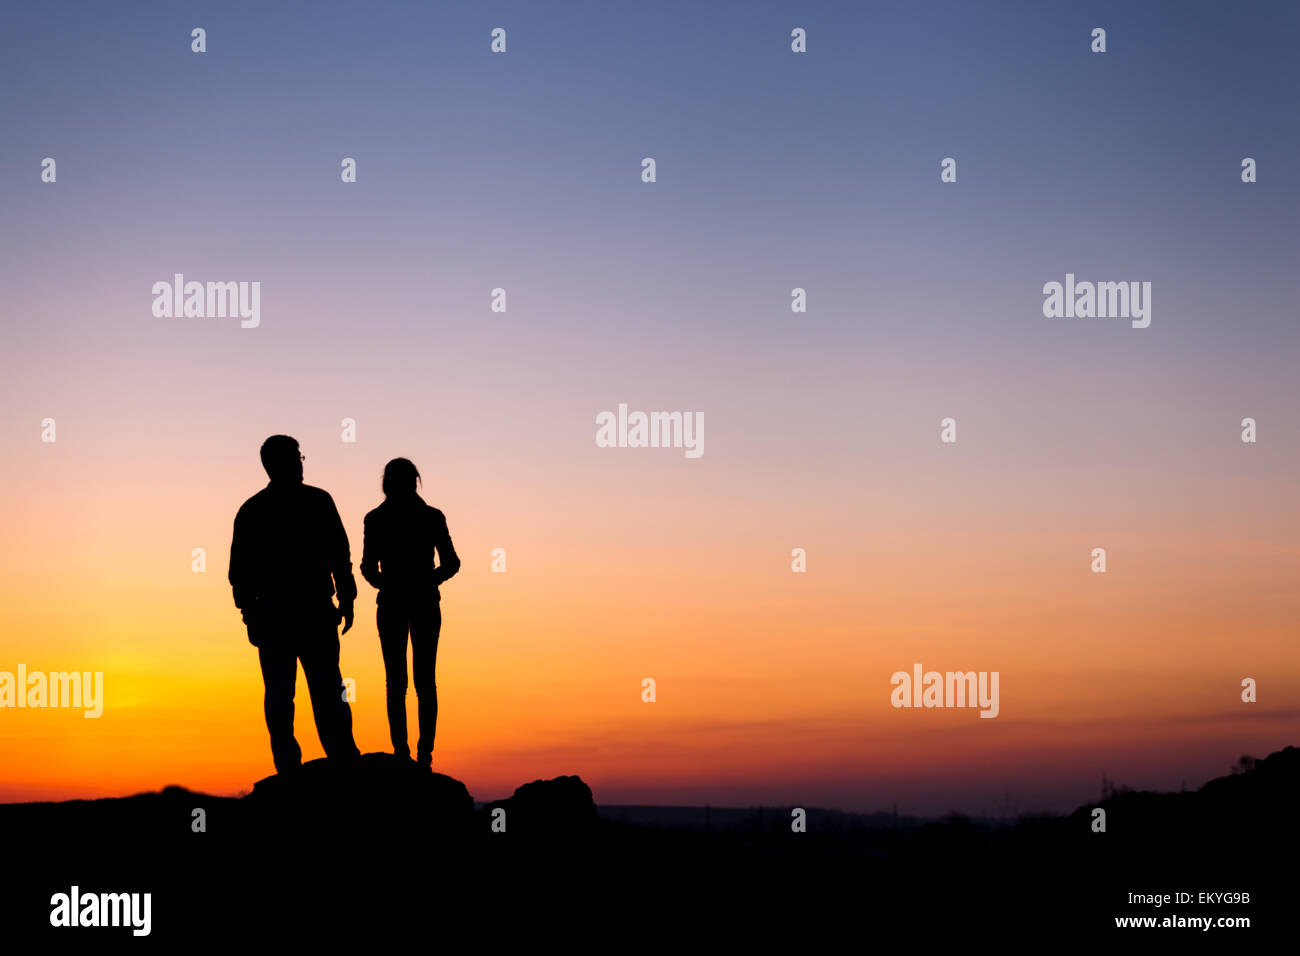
[400, 477]
[281, 459]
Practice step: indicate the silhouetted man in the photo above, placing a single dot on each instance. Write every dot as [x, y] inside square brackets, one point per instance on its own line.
[288, 557]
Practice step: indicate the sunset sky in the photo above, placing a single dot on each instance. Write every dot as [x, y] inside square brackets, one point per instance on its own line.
[775, 171]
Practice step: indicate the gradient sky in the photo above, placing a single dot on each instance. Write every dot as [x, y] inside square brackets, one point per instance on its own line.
[822, 429]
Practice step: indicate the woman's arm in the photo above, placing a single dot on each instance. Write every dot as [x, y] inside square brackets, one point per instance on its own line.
[370, 548]
[448, 562]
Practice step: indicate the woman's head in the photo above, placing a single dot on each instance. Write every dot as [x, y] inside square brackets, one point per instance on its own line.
[400, 478]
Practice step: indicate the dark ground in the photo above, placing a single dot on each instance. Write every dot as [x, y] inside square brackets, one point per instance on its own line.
[378, 851]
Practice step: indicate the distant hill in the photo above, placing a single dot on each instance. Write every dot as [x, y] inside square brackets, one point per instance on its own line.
[749, 818]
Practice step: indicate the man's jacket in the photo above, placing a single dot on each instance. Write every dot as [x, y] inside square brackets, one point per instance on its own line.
[289, 551]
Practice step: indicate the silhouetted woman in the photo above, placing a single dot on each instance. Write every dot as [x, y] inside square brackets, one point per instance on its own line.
[402, 535]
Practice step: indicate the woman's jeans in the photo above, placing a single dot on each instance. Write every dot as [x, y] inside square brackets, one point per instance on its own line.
[420, 618]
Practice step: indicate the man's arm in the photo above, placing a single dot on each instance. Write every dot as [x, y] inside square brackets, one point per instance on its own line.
[448, 562]
[240, 575]
[340, 563]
